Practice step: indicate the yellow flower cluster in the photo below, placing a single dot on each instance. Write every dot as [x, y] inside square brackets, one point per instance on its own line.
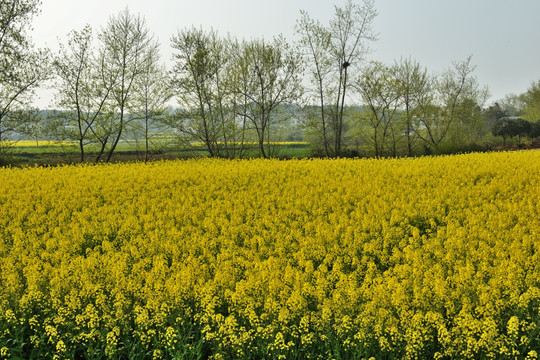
[307, 259]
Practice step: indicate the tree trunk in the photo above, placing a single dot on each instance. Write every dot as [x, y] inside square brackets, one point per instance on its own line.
[340, 128]
[81, 146]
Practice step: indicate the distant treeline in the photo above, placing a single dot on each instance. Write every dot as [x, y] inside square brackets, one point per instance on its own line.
[111, 85]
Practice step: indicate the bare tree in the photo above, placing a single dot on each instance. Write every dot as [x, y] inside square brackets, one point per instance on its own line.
[415, 85]
[82, 89]
[335, 51]
[315, 41]
[202, 85]
[455, 89]
[380, 91]
[267, 75]
[153, 92]
[125, 42]
[17, 90]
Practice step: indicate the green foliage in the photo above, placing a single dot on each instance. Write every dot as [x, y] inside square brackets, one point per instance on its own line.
[21, 69]
[494, 113]
[15, 17]
[534, 131]
[511, 127]
[523, 127]
[531, 102]
[504, 128]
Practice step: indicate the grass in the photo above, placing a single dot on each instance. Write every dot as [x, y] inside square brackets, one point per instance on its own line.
[30, 152]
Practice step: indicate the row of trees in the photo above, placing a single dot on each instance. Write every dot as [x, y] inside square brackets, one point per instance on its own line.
[516, 115]
[230, 92]
[22, 68]
[509, 127]
[104, 89]
[406, 108]
[220, 85]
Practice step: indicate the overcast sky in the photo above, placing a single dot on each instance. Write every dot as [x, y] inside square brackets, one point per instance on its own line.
[503, 36]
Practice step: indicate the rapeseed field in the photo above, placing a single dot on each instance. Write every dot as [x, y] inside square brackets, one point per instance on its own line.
[427, 258]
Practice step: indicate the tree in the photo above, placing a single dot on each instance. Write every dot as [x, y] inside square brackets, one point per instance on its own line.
[508, 127]
[351, 27]
[494, 113]
[200, 79]
[335, 52]
[15, 16]
[469, 125]
[315, 40]
[267, 75]
[531, 102]
[491, 114]
[21, 68]
[458, 93]
[125, 42]
[415, 86]
[82, 89]
[523, 128]
[380, 91]
[17, 90]
[534, 131]
[153, 92]
[502, 128]
[512, 105]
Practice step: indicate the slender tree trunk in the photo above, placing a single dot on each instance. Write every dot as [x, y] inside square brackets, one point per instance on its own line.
[342, 105]
[81, 146]
[224, 130]
[244, 122]
[325, 137]
[146, 132]
[375, 141]
[261, 144]
[222, 119]
[409, 141]
[260, 135]
[261, 147]
[337, 139]
[409, 125]
[116, 140]
[102, 150]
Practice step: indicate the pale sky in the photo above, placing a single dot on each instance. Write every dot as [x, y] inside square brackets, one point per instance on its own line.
[503, 36]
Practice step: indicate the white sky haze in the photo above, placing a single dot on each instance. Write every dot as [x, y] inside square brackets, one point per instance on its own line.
[503, 36]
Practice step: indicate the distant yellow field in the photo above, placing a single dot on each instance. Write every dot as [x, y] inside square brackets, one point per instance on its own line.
[427, 258]
[26, 143]
[60, 143]
[200, 143]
